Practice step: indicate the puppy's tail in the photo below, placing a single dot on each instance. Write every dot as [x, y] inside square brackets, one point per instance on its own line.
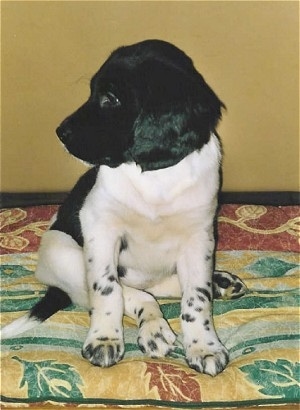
[54, 300]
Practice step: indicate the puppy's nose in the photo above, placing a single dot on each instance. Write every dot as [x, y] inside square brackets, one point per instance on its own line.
[64, 134]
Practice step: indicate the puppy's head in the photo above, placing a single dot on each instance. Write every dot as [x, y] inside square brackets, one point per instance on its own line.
[148, 105]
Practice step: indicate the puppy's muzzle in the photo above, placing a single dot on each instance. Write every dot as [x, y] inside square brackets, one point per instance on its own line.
[64, 133]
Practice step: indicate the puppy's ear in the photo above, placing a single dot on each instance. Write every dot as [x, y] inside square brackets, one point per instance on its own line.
[179, 111]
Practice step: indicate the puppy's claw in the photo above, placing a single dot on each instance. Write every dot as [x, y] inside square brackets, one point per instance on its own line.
[207, 362]
[104, 352]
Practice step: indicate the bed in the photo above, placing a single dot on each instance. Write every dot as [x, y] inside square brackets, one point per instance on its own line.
[43, 368]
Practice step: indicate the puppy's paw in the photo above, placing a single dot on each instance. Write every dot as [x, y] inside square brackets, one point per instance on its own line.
[208, 361]
[103, 351]
[227, 286]
[156, 339]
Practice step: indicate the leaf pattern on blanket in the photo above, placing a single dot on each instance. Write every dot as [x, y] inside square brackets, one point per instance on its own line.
[173, 383]
[13, 272]
[49, 378]
[260, 330]
[271, 267]
[14, 239]
[279, 379]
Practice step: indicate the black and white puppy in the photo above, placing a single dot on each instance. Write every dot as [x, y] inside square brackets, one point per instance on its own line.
[140, 222]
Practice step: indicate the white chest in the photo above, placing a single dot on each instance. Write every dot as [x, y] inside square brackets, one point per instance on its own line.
[155, 211]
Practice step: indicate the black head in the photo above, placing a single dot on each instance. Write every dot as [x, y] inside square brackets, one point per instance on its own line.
[148, 105]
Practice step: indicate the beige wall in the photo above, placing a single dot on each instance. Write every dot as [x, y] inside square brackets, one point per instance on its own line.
[247, 51]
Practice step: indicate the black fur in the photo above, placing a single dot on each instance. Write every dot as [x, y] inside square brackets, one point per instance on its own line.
[68, 214]
[148, 104]
[54, 300]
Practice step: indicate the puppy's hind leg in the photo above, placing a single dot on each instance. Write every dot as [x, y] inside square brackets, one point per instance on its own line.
[61, 264]
[226, 286]
[61, 267]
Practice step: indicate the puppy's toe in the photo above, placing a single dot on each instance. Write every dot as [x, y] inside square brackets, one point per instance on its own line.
[208, 361]
[156, 339]
[103, 351]
[227, 286]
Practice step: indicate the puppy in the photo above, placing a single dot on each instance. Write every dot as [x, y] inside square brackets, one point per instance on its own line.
[140, 222]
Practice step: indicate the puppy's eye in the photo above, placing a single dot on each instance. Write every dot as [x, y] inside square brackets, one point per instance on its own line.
[108, 100]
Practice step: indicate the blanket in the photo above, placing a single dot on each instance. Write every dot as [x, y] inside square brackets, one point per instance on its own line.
[260, 244]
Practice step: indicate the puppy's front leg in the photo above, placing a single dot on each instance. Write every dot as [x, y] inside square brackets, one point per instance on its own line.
[104, 345]
[204, 351]
[156, 338]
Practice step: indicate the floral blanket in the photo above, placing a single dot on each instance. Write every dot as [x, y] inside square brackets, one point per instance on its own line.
[260, 330]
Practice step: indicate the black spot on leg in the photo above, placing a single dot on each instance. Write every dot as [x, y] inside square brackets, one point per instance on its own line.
[111, 278]
[95, 286]
[121, 271]
[90, 260]
[107, 291]
[91, 312]
[204, 292]
[187, 317]
[143, 350]
[124, 244]
[152, 345]
[160, 336]
[201, 298]
[140, 312]
[195, 341]
[190, 302]
[205, 324]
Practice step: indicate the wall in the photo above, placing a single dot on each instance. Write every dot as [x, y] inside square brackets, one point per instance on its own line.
[247, 51]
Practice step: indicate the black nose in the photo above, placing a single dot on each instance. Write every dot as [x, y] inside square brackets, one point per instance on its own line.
[64, 133]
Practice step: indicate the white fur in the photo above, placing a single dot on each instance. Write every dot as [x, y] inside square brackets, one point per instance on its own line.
[18, 326]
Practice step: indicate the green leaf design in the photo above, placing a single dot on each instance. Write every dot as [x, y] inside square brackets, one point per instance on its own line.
[48, 378]
[271, 267]
[9, 272]
[280, 379]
